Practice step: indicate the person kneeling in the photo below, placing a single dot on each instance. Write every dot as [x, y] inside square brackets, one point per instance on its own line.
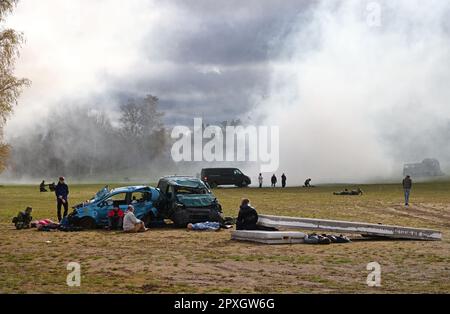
[131, 223]
[115, 219]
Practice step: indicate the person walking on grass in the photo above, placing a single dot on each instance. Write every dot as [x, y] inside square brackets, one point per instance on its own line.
[260, 180]
[273, 180]
[131, 223]
[62, 193]
[283, 180]
[407, 185]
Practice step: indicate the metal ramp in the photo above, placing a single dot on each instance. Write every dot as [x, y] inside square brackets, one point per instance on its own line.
[362, 228]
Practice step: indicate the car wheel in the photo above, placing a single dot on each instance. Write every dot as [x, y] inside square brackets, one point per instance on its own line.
[179, 220]
[244, 183]
[87, 223]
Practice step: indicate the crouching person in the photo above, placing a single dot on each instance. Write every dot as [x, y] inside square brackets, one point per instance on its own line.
[23, 219]
[131, 223]
[115, 219]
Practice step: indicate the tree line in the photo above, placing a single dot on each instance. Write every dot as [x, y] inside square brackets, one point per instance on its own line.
[82, 143]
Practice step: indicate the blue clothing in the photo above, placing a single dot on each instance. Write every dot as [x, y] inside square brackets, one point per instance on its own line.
[61, 189]
[208, 225]
[407, 192]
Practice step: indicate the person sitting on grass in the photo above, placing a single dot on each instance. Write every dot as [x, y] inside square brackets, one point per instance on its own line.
[115, 218]
[23, 219]
[42, 186]
[131, 223]
[248, 217]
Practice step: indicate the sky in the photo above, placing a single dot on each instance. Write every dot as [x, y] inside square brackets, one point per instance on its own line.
[210, 56]
[357, 87]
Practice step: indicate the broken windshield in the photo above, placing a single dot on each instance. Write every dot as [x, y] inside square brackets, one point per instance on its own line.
[101, 193]
[191, 190]
[196, 200]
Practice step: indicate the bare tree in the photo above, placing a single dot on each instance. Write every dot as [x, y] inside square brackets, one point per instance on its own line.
[140, 117]
[10, 86]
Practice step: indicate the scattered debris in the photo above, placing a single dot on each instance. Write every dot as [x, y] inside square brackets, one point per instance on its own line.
[286, 237]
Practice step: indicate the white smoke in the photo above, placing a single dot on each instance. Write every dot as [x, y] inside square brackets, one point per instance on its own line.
[76, 51]
[354, 100]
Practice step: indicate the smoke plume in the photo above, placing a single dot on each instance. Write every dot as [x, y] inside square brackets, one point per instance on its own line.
[355, 95]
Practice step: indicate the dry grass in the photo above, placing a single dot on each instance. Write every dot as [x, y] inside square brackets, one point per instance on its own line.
[171, 260]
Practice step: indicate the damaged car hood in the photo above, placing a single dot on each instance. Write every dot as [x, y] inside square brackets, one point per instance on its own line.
[196, 200]
[100, 194]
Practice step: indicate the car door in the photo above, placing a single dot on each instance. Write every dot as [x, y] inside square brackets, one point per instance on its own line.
[226, 176]
[120, 200]
[170, 200]
[141, 201]
[238, 176]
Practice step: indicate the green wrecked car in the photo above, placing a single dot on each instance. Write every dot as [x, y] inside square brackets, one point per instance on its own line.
[187, 200]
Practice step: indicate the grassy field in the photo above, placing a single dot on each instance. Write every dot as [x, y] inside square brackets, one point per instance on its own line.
[175, 261]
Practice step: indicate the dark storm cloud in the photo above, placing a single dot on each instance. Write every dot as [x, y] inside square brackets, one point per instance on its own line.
[232, 32]
[213, 56]
[218, 57]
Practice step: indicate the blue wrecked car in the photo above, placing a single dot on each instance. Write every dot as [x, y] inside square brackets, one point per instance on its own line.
[93, 213]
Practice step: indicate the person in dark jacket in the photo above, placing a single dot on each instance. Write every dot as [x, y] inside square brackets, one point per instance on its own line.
[407, 185]
[42, 186]
[307, 183]
[273, 180]
[283, 180]
[62, 193]
[23, 219]
[248, 217]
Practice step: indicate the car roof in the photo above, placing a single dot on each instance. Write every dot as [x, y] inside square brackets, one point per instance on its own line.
[182, 180]
[126, 189]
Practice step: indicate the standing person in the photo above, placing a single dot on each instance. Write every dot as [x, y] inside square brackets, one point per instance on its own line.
[283, 180]
[62, 193]
[407, 185]
[260, 180]
[131, 223]
[273, 180]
